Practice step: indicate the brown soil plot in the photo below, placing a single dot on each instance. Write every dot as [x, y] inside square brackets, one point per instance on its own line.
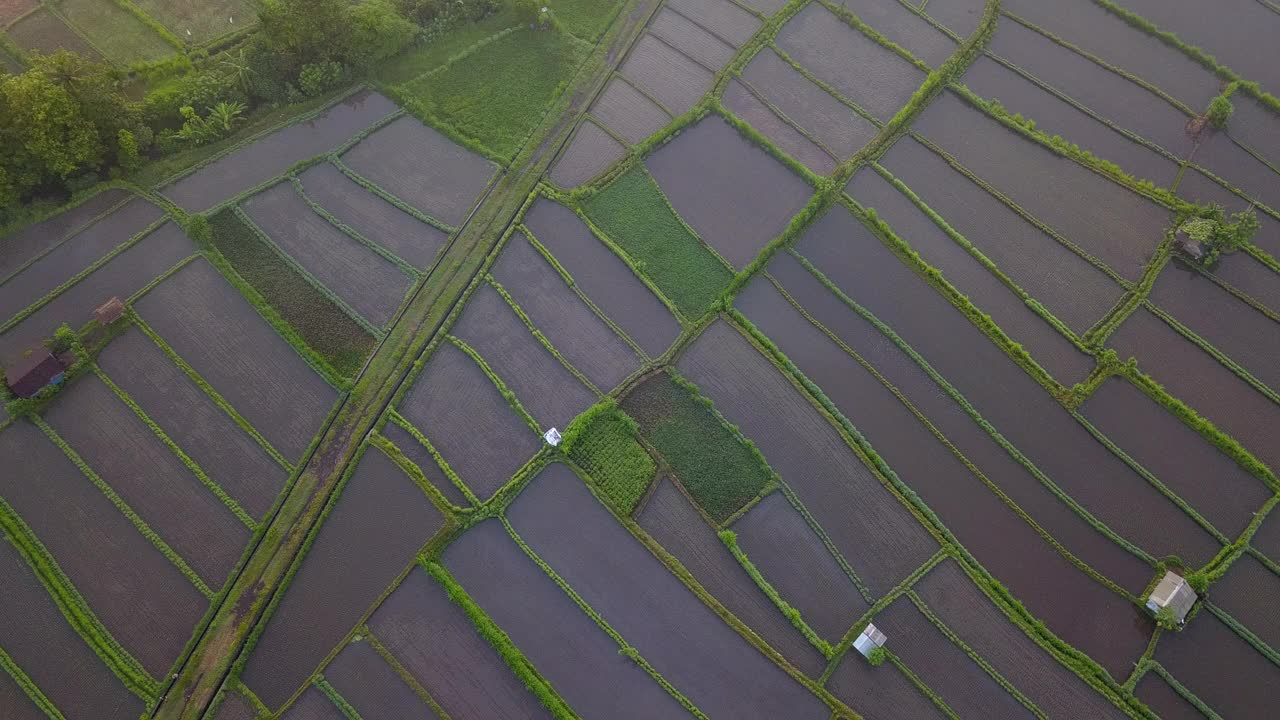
[691, 39]
[664, 73]
[722, 17]
[420, 456]
[739, 100]
[590, 153]
[628, 112]
[372, 686]
[25, 244]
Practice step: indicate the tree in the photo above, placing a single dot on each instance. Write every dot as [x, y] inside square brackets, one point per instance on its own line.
[44, 134]
[127, 152]
[378, 31]
[95, 89]
[304, 32]
[1220, 109]
[240, 69]
[877, 656]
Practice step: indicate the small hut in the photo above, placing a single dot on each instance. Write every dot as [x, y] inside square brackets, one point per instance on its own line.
[870, 640]
[552, 437]
[109, 311]
[32, 372]
[1175, 593]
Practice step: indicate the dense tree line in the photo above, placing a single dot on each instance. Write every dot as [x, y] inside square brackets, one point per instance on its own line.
[67, 122]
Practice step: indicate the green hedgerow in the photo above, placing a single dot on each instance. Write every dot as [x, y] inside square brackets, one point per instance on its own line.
[602, 441]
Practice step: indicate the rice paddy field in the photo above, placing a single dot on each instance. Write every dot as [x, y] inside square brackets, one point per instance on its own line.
[637, 367]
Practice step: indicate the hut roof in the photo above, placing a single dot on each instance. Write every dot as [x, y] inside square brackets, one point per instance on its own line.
[32, 372]
[1173, 592]
[109, 311]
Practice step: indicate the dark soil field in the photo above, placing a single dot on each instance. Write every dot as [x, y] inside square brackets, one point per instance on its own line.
[1108, 37]
[1230, 30]
[313, 705]
[833, 123]
[731, 192]
[542, 385]
[372, 285]
[885, 543]
[204, 431]
[408, 238]
[269, 156]
[691, 39]
[626, 111]
[235, 707]
[128, 456]
[603, 277]
[1003, 542]
[1267, 539]
[1238, 592]
[41, 642]
[1175, 454]
[959, 16]
[863, 71]
[883, 693]
[1056, 116]
[683, 640]
[484, 445]
[906, 28]
[1248, 275]
[433, 639]
[1158, 695]
[373, 532]
[958, 427]
[585, 340]
[672, 520]
[1193, 376]
[1223, 670]
[741, 102]
[42, 31]
[222, 336]
[946, 669]
[420, 456]
[1224, 158]
[1255, 126]
[665, 74]
[1009, 398]
[793, 559]
[591, 151]
[75, 255]
[121, 276]
[1076, 292]
[970, 615]
[1111, 95]
[143, 600]
[575, 655]
[962, 269]
[11, 10]
[372, 686]
[423, 168]
[1115, 225]
[722, 17]
[24, 245]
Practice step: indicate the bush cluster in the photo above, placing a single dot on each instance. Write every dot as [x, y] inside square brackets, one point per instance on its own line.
[602, 441]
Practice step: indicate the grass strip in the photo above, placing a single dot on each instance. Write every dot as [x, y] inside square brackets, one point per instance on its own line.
[625, 649]
[507, 393]
[602, 441]
[409, 427]
[399, 669]
[208, 389]
[500, 641]
[29, 687]
[415, 473]
[372, 187]
[334, 343]
[1184, 691]
[351, 232]
[169, 553]
[730, 540]
[721, 469]
[348, 711]
[916, 680]
[542, 339]
[75, 608]
[635, 216]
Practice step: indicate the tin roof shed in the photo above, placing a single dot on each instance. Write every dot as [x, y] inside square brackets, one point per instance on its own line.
[1173, 592]
[870, 639]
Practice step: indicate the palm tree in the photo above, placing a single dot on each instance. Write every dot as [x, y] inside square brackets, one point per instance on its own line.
[241, 71]
[224, 115]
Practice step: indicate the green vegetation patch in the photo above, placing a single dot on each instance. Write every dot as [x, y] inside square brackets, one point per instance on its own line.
[425, 57]
[586, 19]
[494, 97]
[204, 19]
[602, 441]
[720, 469]
[327, 330]
[633, 213]
[118, 33]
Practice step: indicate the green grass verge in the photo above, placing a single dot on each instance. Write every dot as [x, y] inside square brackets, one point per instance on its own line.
[633, 213]
[324, 327]
[602, 441]
[586, 19]
[722, 470]
[493, 98]
[424, 58]
[730, 540]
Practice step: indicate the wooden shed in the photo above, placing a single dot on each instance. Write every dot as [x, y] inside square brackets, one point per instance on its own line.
[34, 371]
[109, 311]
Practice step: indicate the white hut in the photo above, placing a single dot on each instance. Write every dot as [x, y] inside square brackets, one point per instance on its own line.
[870, 639]
[1175, 593]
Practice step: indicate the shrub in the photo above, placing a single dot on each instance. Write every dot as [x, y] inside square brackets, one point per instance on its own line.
[317, 78]
[1220, 109]
[127, 152]
[877, 656]
[378, 31]
[1166, 620]
[602, 441]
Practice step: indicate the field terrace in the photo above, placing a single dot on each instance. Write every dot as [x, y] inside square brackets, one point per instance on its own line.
[862, 279]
